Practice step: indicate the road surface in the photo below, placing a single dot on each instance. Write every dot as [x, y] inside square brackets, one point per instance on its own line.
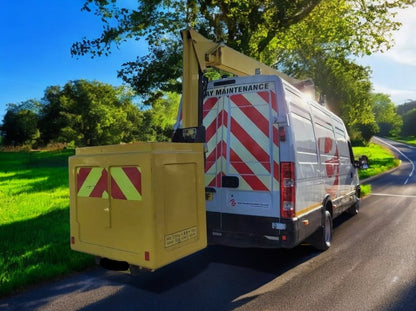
[371, 265]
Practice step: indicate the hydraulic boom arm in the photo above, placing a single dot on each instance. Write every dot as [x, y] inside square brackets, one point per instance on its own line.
[199, 54]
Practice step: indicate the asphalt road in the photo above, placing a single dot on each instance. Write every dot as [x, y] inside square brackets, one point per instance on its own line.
[371, 265]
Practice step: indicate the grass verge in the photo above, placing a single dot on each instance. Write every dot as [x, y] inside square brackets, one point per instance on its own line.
[380, 160]
[365, 190]
[411, 140]
[34, 219]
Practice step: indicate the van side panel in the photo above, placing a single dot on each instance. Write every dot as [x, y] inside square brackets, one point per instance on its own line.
[309, 184]
[338, 171]
[348, 177]
[328, 154]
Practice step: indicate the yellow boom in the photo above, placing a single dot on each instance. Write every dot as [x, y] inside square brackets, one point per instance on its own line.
[199, 53]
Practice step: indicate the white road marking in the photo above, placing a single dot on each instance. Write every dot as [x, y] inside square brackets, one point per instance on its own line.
[394, 195]
[411, 162]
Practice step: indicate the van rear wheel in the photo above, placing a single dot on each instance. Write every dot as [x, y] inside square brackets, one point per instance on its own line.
[322, 238]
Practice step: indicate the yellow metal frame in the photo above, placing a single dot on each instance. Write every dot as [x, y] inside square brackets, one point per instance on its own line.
[200, 53]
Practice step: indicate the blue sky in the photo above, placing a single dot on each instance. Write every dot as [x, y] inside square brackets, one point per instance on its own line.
[35, 41]
[36, 37]
[394, 72]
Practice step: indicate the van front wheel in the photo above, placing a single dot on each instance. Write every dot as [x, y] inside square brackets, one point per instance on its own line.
[322, 238]
[353, 210]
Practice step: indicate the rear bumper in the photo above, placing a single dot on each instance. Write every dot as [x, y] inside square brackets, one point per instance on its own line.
[248, 240]
[257, 231]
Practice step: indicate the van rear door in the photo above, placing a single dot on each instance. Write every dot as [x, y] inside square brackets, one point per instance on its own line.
[242, 159]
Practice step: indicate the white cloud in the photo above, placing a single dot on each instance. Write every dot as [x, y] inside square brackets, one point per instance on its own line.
[394, 72]
[398, 96]
[404, 49]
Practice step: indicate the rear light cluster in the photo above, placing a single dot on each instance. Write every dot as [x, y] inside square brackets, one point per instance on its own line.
[287, 190]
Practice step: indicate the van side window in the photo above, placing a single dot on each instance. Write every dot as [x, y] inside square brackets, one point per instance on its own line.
[342, 144]
[305, 145]
[343, 151]
[328, 150]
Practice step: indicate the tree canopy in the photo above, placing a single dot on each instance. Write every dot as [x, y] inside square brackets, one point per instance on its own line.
[409, 123]
[20, 124]
[303, 38]
[408, 112]
[268, 30]
[385, 113]
[85, 113]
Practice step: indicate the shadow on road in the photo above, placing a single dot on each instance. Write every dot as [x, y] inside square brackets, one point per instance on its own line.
[210, 280]
[217, 278]
[406, 300]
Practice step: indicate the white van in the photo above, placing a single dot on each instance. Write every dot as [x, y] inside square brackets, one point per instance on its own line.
[279, 166]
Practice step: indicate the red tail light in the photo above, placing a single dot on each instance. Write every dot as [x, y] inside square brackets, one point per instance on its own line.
[287, 190]
[282, 133]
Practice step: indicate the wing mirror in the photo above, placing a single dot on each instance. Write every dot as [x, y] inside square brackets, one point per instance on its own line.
[362, 163]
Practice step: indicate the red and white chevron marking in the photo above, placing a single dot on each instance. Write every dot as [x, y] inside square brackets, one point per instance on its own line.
[242, 121]
[215, 121]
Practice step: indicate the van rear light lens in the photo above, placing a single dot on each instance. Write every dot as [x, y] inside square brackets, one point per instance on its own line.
[287, 190]
[282, 133]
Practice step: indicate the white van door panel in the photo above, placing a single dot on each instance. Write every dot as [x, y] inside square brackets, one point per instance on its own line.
[309, 184]
[241, 142]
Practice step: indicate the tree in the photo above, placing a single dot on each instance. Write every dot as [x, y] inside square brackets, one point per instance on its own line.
[409, 123]
[361, 133]
[159, 22]
[20, 124]
[407, 112]
[261, 29]
[406, 107]
[87, 113]
[320, 47]
[158, 122]
[51, 120]
[389, 122]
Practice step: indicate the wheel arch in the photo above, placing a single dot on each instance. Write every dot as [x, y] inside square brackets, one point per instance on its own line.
[327, 205]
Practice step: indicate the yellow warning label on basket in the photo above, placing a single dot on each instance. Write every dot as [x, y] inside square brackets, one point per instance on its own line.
[180, 237]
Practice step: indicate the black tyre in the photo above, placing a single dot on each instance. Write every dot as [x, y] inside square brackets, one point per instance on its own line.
[322, 238]
[354, 209]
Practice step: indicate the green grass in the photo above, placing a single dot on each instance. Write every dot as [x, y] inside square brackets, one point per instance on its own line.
[34, 219]
[365, 190]
[411, 140]
[380, 160]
